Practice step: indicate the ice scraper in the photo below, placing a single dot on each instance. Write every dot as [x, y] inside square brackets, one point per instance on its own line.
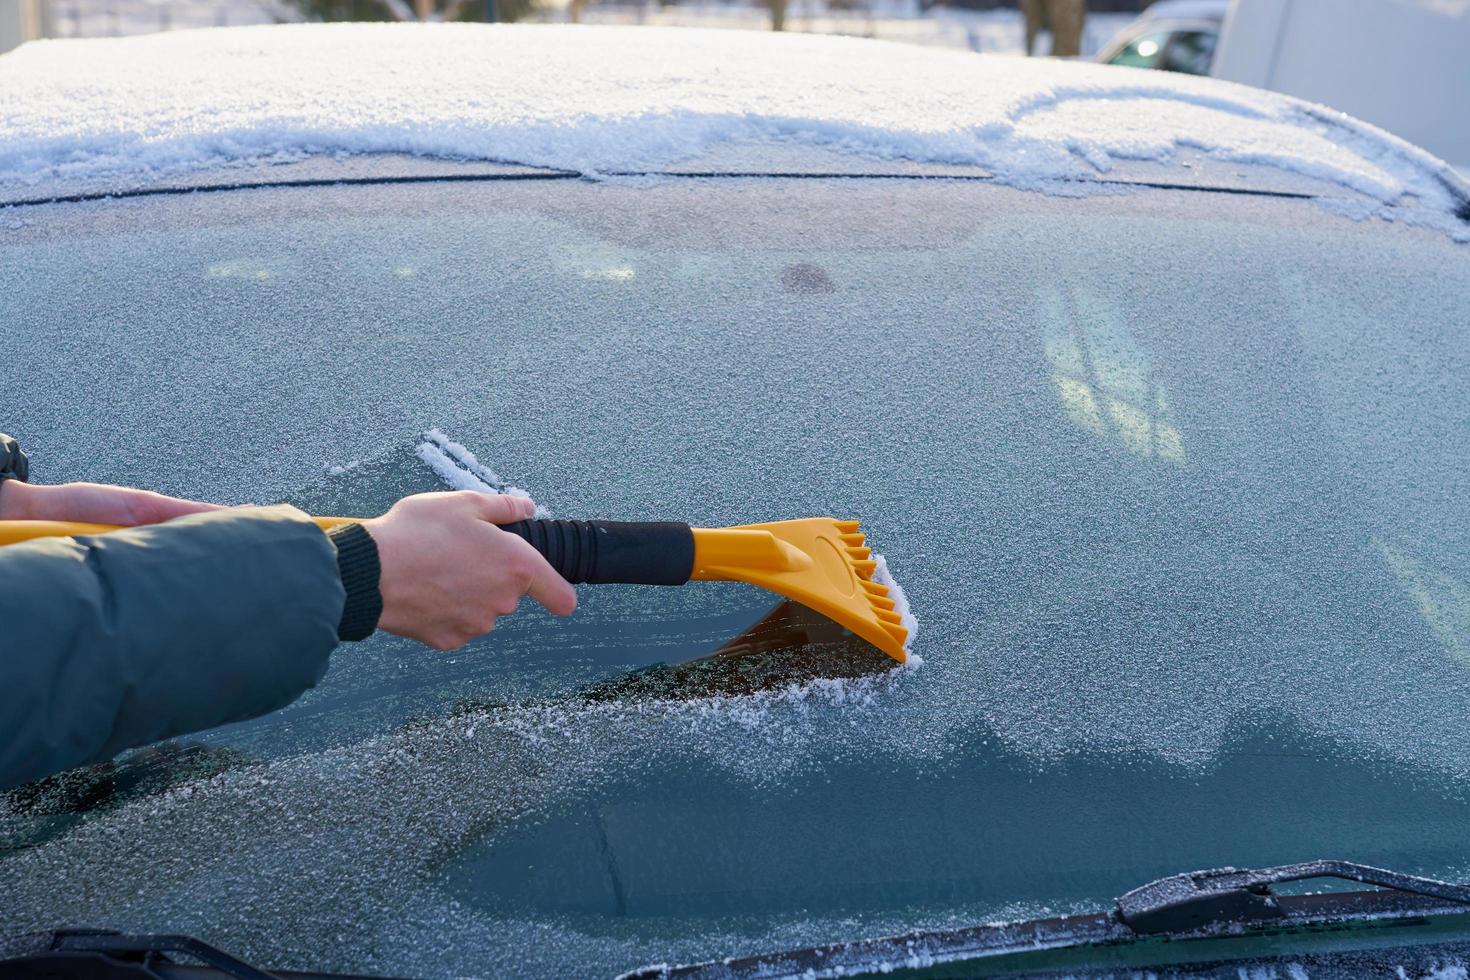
[820, 562]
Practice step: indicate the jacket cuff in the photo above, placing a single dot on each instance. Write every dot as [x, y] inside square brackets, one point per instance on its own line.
[357, 563]
[13, 464]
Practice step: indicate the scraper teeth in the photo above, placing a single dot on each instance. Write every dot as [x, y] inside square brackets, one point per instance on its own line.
[892, 618]
[859, 554]
[897, 632]
[846, 527]
[865, 568]
[874, 588]
[853, 540]
[882, 602]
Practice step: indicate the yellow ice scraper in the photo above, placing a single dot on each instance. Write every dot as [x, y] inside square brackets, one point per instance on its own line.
[820, 562]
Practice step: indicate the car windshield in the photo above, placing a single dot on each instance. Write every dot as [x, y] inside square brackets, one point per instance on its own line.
[1142, 51]
[1173, 480]
[1190, 52]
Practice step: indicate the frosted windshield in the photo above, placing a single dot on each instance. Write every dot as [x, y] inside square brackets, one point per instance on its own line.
[1175, 484]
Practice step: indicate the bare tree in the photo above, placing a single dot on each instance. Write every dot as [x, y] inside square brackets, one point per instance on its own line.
[345, 9]
[1063, 18]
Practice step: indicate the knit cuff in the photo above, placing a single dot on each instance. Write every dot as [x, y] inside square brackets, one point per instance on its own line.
[357, 563]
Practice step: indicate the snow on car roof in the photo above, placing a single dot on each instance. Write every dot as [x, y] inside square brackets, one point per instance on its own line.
[605, 99]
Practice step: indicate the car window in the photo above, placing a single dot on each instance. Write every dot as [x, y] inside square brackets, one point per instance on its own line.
[1174, 482]
[1189, 51]
[1143, 51]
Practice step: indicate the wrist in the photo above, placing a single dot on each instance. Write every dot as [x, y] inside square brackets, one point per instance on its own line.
[384, 538]
[359, 568]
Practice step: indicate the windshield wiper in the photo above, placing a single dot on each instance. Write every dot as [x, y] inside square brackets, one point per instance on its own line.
[1229, 896]
[1224, 905]
[105, 954]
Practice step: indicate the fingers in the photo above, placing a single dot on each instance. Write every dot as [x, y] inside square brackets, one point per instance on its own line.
[98, 503]
[155, 508]
[544, 585]
[501, 508]
[550, 589]
[447, 571]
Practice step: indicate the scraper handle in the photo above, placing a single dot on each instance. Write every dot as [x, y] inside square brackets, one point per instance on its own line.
[597, 552]
[604, 552]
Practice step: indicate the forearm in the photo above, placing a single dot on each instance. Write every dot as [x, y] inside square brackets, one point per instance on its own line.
[118, 640]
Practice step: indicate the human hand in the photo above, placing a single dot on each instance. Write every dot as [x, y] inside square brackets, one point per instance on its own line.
[447, 571]
[92, 503]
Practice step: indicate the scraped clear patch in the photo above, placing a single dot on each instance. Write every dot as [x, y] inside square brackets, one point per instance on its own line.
[380, 817]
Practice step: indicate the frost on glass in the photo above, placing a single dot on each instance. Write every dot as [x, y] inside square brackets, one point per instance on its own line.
[1175, 486]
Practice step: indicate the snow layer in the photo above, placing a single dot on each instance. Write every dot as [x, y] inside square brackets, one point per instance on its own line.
[883, 576]
[599, 100]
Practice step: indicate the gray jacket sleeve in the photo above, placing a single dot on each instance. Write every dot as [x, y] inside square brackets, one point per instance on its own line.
[116, 640]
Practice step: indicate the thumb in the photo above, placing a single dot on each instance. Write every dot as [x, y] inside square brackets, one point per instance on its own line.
[502, 508]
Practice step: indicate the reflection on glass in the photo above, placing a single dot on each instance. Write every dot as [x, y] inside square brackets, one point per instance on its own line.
[1142, 51]
[239, 269]
[612, 273]
[1443, 601]
[1104, 381]
[593, 260]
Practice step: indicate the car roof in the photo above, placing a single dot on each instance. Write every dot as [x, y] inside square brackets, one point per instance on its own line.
[593, 101]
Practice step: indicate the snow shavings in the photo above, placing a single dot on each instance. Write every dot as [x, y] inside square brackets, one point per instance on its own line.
[461, 469]
[884, 577]
[605, 100]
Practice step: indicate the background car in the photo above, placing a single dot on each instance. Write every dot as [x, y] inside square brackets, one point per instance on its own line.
[1172, 35]
[1153, 392]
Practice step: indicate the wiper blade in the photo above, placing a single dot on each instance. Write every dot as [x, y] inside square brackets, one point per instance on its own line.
[102, 952]
[1224, 904]
[1232, 896]
[105, 954]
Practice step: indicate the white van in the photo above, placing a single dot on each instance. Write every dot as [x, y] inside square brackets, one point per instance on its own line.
[1403, 65]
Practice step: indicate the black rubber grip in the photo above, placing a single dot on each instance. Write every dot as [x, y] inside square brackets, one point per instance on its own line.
[602, 552]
